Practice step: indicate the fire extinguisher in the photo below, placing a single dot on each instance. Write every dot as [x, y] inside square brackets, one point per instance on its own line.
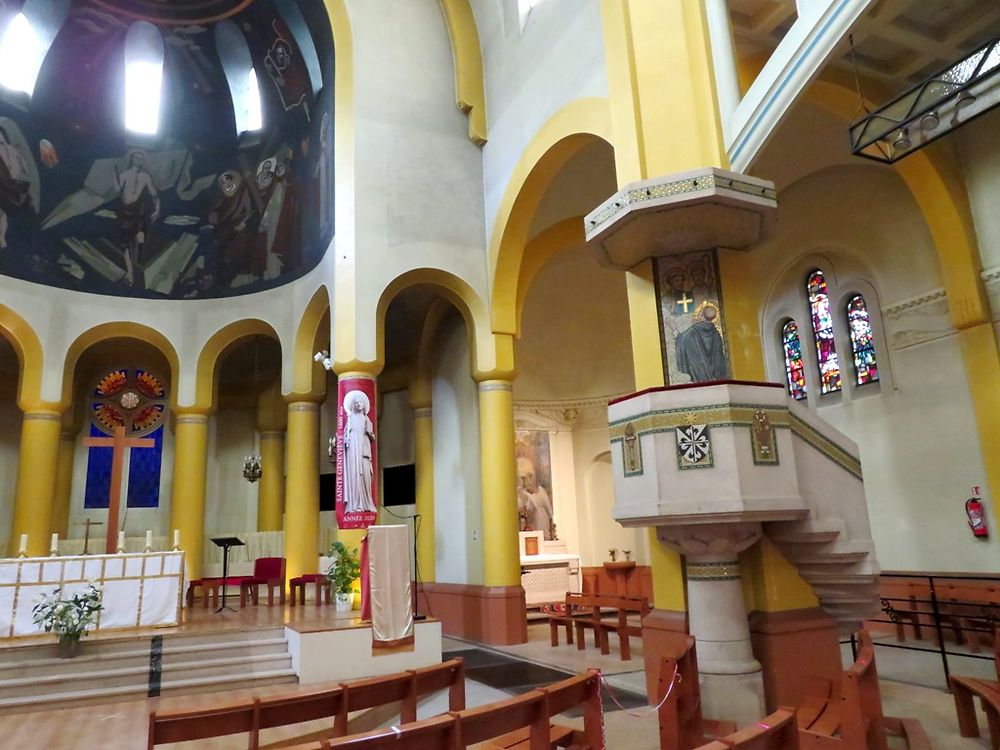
[977, 518]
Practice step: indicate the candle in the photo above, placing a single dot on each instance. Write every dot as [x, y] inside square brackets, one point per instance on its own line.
[23, 549]
[177, 538]
[121, 541]
[55, 543]
[149, 539]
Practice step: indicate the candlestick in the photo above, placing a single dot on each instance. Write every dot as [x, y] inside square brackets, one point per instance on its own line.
[177, 538]
[149, 540]
[54, 545]
[121, 542]
[23, 549]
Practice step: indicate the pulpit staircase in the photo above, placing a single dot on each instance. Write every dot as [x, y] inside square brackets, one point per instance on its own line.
[34, 677]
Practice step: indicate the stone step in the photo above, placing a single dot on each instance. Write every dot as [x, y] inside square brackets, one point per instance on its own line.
[138, 676]
[95, 657]
[85, 697]
[808, 531]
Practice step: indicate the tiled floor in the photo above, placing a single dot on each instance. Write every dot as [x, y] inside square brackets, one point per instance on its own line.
[493, 675]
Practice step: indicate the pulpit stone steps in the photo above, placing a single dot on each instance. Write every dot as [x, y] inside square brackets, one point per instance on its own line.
[33, 677]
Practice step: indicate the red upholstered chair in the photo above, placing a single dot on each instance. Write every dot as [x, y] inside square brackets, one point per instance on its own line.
[267, 571]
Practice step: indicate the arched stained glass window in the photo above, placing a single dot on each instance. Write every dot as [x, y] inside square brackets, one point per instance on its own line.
[143, 78]
[862, 341]
[822, 323]
[794, 369]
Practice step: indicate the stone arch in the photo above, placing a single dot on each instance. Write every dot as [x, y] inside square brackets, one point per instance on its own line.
[309, 376]
[214, 350]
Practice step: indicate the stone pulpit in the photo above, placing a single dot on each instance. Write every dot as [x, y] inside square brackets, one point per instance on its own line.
[716, 466]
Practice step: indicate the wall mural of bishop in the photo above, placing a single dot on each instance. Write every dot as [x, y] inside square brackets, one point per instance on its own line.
[197, 210]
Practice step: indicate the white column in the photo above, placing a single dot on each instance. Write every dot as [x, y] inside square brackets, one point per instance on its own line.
[724, 58]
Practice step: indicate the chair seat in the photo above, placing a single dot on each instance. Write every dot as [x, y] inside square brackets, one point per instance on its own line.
[308, 578]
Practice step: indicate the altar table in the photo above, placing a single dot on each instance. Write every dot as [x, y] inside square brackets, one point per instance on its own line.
[140, 590]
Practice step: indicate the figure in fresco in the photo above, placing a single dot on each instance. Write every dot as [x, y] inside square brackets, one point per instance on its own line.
[533, 501]
[700, 351]
[287, 71]
[235, 238]
[359, 434]
[138, 208]
[15, 185]
[279, 223]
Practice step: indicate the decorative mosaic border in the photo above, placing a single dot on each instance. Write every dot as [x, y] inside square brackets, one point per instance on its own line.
[621, 201]
[828, 448]
[727, 570]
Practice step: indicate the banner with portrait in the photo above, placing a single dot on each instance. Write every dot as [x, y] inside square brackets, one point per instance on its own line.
[357, 459]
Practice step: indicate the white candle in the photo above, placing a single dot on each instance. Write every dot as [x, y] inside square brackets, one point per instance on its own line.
[23, 549]
[149, 539]
[55, 542]
[121, 541]
[177, 537]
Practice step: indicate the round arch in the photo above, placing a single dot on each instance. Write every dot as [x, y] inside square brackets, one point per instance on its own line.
[28, 347]
[457, 292]
[118, 330]
[213, 351]
[578, 124]
[309, 376]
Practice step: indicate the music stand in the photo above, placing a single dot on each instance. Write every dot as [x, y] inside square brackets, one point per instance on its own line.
[226, 542]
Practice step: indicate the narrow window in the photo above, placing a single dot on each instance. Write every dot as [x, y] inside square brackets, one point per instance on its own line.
[21, 55]
[822, 324]
[244, 87]
[254, 114]
[143, 78]
[862, 341]
[794, 370]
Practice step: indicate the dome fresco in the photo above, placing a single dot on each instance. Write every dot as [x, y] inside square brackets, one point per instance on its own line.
[220, 185]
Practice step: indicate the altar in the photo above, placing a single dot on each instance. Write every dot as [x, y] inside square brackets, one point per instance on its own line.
[140, 590]
[548, 570]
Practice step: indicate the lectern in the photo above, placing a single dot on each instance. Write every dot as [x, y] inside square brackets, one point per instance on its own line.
[226, 542]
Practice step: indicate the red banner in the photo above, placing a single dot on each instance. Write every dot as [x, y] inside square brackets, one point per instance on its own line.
[357, 461]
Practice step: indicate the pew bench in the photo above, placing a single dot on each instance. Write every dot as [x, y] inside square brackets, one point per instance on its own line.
[590, 608]
[779, 731]
[964, 690]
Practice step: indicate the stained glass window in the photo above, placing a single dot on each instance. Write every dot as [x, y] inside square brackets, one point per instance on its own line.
[794, 369]
[822, 323]
[862, 341]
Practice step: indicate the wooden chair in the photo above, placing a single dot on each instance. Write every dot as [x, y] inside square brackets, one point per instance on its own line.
[267, 571]
[183, 726]
[779, 731]
[298, 586]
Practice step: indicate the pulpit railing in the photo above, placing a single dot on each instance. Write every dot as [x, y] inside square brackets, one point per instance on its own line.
[950, 614]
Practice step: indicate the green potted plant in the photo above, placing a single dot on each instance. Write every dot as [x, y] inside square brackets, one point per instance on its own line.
[342, 573]
[68, 617]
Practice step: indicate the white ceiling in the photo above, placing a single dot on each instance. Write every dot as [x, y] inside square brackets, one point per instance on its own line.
[899, 42]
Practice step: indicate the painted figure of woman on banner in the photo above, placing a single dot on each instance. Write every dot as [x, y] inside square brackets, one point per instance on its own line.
[356, 490]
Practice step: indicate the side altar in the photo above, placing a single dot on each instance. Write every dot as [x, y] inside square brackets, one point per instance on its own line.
[548, 570]
[140, 590]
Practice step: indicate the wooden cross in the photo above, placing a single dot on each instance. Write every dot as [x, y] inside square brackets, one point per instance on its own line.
[118, 443]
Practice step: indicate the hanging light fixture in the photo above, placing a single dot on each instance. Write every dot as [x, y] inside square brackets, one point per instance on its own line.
[251, 464]
[933, 108]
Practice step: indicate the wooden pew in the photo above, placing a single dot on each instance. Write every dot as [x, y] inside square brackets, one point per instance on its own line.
[594, 620]
[199, 724]
[520, 723]
[681, 724]
[779, 731]
[294, 708]
[850, 715]
[964, 689]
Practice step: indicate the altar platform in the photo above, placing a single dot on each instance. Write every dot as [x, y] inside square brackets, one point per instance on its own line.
[255, 647]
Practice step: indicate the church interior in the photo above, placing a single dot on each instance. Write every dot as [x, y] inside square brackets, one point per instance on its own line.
[499, 373]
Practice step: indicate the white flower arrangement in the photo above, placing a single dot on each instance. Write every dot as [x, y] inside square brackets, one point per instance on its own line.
[68, 618]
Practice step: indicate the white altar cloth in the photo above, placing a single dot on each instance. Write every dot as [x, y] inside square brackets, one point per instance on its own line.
[140, 590]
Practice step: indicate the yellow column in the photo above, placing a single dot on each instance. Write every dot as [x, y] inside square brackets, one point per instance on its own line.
[501, 560]
[271, 490]
[302, 487]
[36, 480]
[423, 459]
[187, 498]
[64, 484]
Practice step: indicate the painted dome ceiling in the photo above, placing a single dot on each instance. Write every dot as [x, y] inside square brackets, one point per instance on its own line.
[168, 149]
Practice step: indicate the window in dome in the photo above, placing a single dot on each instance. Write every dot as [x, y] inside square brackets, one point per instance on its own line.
[21, 55]
[143, 78]
[525, 7]
[862, 341]
[795, 371]
[822, 324]
[244, 88]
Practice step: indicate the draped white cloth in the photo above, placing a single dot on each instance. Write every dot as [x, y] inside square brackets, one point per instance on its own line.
[389, 582]
[142, 590]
